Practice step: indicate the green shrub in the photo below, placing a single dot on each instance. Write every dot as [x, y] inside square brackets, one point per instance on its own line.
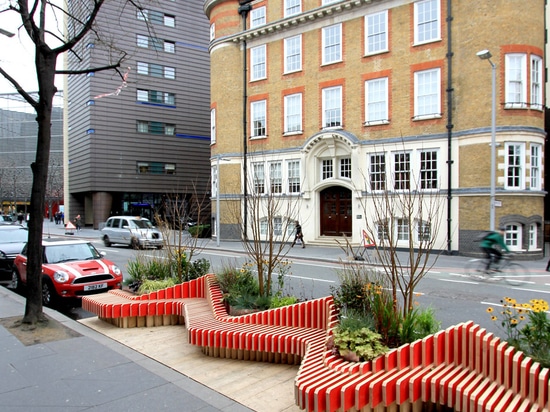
[198, 268]
[238, 285]
[280, 301]
[358, 344]
[148, 286]
[418, 324]
[200, 231]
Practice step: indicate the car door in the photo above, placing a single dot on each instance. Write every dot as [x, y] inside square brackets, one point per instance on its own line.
[126, 235]
[21, 264]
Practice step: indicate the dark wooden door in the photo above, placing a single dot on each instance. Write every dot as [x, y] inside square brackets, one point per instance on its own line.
[336, 211]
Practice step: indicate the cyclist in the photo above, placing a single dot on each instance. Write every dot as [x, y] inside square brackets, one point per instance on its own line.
[488, 246]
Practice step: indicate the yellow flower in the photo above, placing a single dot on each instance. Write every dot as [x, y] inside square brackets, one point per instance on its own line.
[490, 310]
[513, 321]
[522, 318]
[494, 318]
[526, 305]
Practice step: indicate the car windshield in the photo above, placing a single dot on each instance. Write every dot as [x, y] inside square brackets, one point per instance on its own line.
[142, 224]
[7, 218]
[13, 236]
[65, 253]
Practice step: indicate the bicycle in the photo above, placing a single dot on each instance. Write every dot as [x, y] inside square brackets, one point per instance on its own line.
[507, 270]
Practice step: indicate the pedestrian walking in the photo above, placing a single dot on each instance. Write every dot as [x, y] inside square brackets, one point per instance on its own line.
[298, 235]
[78, 222]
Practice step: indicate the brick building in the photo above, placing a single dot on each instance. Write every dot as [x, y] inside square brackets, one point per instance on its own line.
[347, 102]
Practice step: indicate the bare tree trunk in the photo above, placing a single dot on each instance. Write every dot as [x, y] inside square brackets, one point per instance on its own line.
[46, 61]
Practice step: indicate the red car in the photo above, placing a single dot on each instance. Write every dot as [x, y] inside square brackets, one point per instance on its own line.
[71, 269]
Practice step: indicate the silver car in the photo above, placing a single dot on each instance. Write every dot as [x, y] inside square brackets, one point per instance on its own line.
[137, 232]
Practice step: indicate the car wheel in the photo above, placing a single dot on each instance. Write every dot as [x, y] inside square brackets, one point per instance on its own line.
[134, 244]
[106, 241]
[49, 295]
[15, 283]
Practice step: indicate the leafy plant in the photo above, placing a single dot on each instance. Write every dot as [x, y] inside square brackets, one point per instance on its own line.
[148, 286]
[526, 326]
[280, 301]
[365, 301]
[417, 324]
[358, 344]
[201, 231]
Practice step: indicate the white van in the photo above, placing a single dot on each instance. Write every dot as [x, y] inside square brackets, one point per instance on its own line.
[137, 232]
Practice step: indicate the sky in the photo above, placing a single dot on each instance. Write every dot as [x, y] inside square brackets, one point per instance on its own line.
[16, 53]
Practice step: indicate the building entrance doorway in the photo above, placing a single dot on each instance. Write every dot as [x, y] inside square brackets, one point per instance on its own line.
[336, 212]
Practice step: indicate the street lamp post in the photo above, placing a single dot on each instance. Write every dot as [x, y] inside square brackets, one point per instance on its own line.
[218, 201]
[486, 55]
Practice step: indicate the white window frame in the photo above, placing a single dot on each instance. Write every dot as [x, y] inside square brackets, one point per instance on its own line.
[293, 114]
[258, 113]
[293, 7]
[513, 236]
[424, 231]
[212, 31]
[332, 107]
[536, 82]
[376, 101]
[535, 167]
[275, 177]
[429, 170]
[402, 230]
[258, 62]
[514, 165]
[293, 176]
[213, 126]
[378, 171]
[376, 33]
[533, 236]
[344, 168]
[402, 170]
[257, 17]
[332, 44]
[427, 94]
[427, 21]
[327, 169]
[258, 177]
[515, 81]
[293, 54]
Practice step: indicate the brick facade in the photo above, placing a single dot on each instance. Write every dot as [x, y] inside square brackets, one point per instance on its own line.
[463, 86]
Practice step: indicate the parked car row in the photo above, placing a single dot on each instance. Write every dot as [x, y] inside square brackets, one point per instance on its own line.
[70, 268]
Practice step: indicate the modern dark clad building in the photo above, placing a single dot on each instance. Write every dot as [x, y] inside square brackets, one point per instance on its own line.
[140, 136]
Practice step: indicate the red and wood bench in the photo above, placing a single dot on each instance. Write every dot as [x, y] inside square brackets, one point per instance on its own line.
[463, 367]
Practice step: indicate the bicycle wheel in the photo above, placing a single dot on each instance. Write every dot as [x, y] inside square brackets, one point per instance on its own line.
[514, 274]
[475, 268]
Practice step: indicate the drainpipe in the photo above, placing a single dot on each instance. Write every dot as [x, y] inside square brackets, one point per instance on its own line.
[244, 9]
[449, 124]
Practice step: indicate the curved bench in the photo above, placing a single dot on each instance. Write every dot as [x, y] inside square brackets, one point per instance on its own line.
[463, 367]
